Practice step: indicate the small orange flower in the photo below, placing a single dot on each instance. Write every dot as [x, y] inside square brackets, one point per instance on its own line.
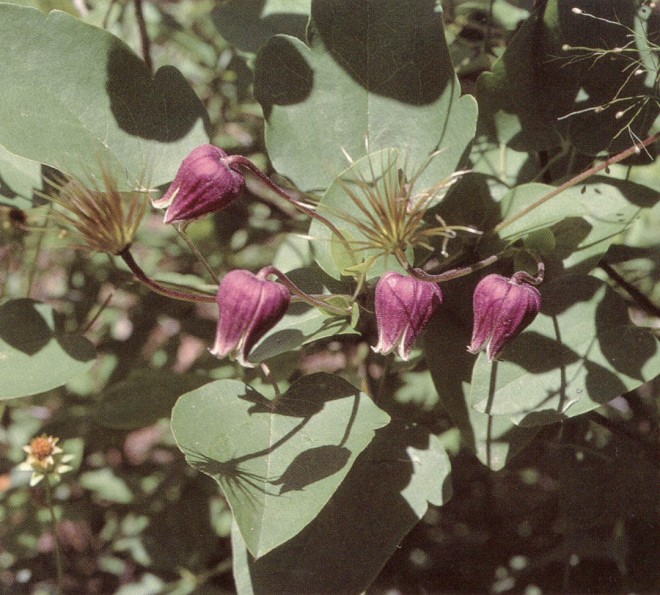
[45, 458]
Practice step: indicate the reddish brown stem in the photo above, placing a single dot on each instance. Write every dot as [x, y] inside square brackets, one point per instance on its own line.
[576, 180]
[142, 277]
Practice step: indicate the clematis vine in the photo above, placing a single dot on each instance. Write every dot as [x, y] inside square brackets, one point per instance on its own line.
[404, 305]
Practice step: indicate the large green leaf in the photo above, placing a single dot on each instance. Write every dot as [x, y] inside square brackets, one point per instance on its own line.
[579, 353]
[375, 75]
[383, 497]
[35, 354]
[74, 96]
[584, 220]
[278, 462]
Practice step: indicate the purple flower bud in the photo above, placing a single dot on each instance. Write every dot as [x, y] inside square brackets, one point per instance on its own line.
[204, 183]
[403, 307]
[503, 308]
[249, 307]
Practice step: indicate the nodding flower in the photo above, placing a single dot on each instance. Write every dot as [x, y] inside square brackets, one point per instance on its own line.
[403, 307]
[250, 305]
[503, 308]
[205, 183]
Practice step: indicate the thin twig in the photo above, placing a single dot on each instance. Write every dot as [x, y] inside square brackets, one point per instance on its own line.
[37, 250]
[181, 230]
[53, 520]
[144, 36]
[635, 149]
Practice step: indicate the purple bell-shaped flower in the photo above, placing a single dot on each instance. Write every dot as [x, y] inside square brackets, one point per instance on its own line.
[403, 307]
[249, 307]
[205, 183]
[503, 308]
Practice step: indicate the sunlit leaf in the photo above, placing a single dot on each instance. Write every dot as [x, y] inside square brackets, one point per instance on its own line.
[278, 462]
[375, 74]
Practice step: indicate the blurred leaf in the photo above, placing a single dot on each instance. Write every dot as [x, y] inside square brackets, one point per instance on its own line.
[294, 252]
[385, 68]
[35, 354]
[144, 397]
[580, 352]
[107, 486]
[342, 550]
[278, 462]
[75, 96]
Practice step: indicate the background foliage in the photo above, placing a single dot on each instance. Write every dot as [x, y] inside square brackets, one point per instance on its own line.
[357, 471]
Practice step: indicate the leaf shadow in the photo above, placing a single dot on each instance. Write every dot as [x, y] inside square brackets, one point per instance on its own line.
[307, 467]
[282, 75]
[405, 56]
[612, 324]
[162, 108]
[312, 465]
[243, 23]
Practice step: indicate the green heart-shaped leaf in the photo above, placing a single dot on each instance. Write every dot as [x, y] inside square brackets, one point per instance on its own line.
[278, 462]
[375, 75]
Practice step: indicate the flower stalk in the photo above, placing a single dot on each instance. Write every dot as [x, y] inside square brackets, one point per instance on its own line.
[453, 273]
[156, 287]
[295, 290]
[59, 569]
[261, 185]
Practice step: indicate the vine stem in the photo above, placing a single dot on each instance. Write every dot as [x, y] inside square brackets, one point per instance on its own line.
[295, 290]
[144, 36]
[53, 522]
[156, 287]
[453, 273]
[181, 230]
[260, 183]
[576, 180]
